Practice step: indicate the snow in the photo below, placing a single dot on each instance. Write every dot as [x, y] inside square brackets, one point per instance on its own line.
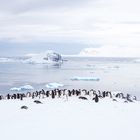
[77, 78]
[74, 119]
[22, 88]
[54, 85]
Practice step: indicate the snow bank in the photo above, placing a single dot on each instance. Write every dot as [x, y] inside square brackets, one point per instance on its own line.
[22, 88]
[77, 78]
[72, 120]
[54, 85]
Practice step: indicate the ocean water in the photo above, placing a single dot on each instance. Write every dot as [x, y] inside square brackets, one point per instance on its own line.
[115, 74]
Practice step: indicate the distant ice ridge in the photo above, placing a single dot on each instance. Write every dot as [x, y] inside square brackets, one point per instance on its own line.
[54, 85]
[49, 57]
[137, 60]
[110, 51]
[7, 59]
[81, 78]
[22, 88]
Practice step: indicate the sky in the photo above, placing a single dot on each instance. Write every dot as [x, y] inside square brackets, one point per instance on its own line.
[69, 26]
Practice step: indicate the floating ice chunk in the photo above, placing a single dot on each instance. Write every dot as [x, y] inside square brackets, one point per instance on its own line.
[15, 89]
[77, 78]
[27, 87]
[54, 85]
[22, 88]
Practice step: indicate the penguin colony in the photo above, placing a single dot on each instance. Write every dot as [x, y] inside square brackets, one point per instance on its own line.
[82, 94]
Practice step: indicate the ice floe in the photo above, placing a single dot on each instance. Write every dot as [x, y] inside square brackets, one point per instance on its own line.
[82, 78]
[22, 88]
[54, 85]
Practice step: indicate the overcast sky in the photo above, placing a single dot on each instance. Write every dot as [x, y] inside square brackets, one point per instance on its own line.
[68, 25]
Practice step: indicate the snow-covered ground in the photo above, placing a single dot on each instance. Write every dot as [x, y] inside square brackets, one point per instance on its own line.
[75, 119]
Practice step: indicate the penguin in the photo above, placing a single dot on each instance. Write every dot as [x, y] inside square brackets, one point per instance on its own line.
[47, 93]
[18, 96]
[8, 96]
[24, 107]
[104, 94]
[53, 94]
[37, 102]
[83, 98]
[96, 98]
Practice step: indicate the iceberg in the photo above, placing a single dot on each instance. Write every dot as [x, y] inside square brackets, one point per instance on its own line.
[79, 78]
[22, 88]
[15, 89]
[49, 57]
[54, 85]
[27, 87]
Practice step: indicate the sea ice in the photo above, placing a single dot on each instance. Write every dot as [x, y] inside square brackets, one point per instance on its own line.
[15, 89]
[77, 78]
[27, 87]
[54, 85]
[22, 88]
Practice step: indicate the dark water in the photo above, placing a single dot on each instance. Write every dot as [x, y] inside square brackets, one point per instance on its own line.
[115, 74]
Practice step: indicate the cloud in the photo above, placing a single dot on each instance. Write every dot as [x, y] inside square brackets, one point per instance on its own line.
[19, 6]
[94, 22]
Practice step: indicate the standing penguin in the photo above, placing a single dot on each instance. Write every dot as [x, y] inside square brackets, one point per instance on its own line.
[53, 94]
[96, 98]
[8, 96]
[104, 94]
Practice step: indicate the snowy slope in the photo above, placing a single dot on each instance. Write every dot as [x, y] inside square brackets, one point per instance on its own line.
[74, 119]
